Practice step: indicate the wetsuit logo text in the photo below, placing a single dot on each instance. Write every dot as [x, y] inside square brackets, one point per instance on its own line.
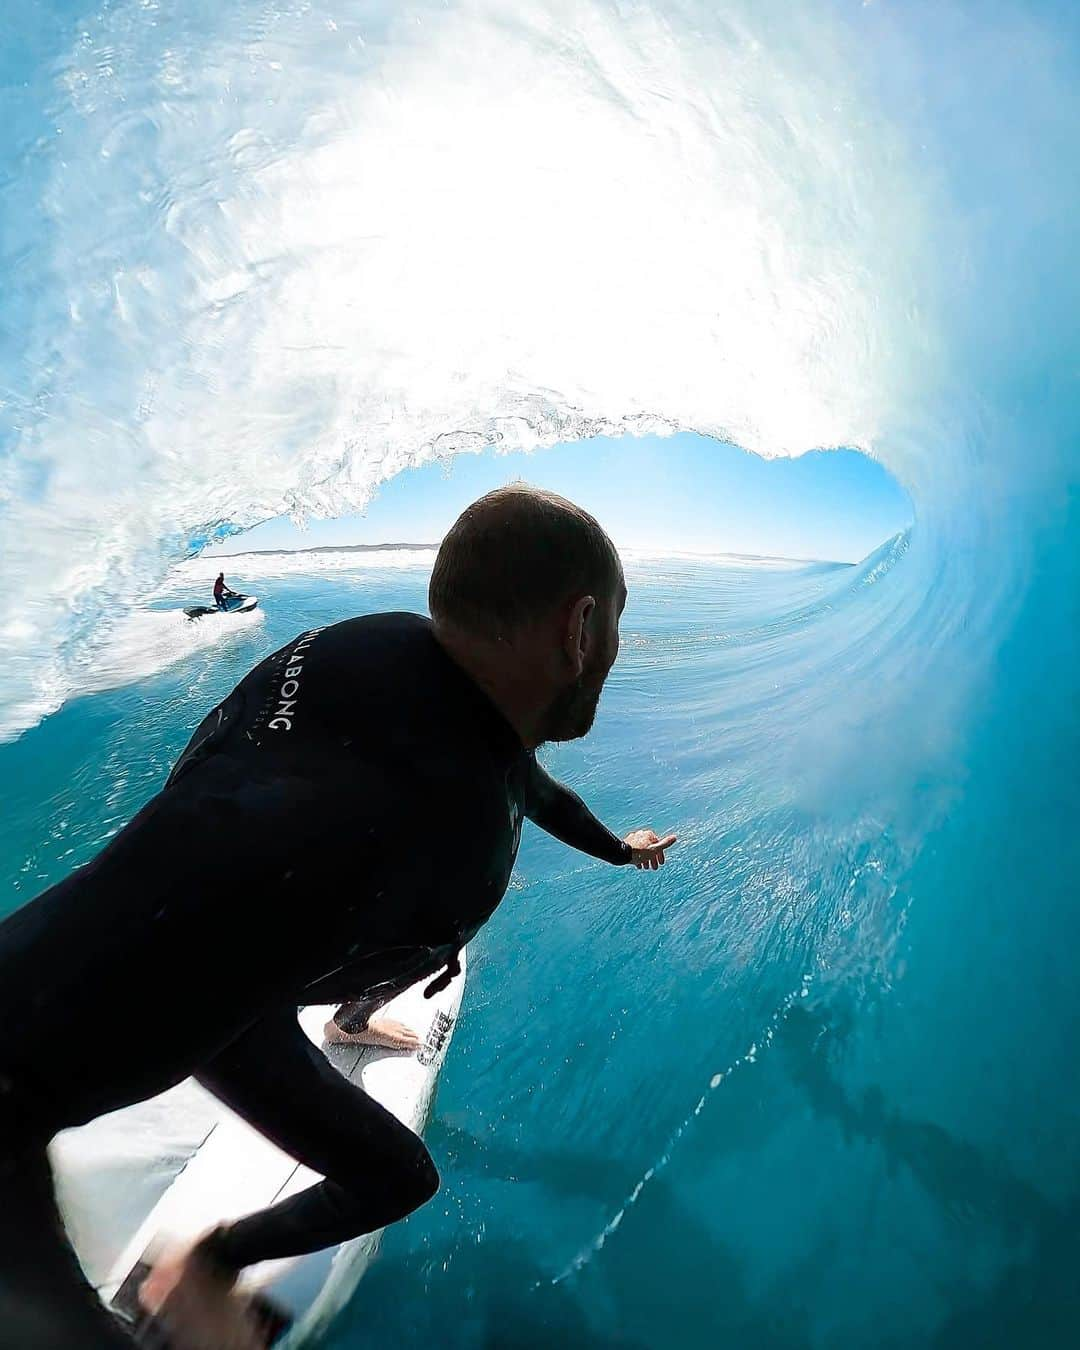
[289, 692]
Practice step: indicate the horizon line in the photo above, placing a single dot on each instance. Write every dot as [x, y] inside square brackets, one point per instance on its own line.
[654, 549]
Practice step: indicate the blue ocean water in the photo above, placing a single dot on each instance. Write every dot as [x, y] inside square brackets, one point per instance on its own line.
[812, 1086]
[809, 1080]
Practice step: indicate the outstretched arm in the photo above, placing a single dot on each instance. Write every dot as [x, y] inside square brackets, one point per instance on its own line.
[563, 814]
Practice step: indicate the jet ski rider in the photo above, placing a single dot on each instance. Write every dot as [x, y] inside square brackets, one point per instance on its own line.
[221, 591]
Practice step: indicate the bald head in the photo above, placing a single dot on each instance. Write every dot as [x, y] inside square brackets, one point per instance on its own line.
[516, 556]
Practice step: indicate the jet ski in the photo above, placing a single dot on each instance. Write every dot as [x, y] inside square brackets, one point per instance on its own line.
[232, 604]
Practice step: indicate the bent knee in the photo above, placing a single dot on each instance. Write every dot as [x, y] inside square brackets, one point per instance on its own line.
[392, 1184]
[423, 1180]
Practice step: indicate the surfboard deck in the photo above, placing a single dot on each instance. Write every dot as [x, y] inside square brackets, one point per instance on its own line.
[118, 1222]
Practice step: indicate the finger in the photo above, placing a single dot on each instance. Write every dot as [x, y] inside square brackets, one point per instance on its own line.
[667, 840]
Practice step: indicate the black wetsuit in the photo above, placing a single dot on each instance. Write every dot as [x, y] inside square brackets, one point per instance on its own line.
[336, 829]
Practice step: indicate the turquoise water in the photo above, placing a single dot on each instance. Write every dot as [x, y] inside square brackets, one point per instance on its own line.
[810, 1079]
[812, 1086]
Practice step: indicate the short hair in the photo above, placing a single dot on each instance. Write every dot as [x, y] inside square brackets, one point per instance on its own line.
[514, 556]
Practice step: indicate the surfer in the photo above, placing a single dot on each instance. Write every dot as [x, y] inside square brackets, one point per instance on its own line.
[339, 827]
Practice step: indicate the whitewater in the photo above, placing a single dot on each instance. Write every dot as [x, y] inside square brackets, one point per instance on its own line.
[817, 1089]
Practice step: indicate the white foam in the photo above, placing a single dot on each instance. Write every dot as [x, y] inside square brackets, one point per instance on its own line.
[146, 642]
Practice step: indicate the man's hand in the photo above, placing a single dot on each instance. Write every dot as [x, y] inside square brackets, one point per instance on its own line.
[648, 849]
[198, 1307]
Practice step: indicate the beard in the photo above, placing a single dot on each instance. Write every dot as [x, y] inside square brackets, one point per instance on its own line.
[570, 715]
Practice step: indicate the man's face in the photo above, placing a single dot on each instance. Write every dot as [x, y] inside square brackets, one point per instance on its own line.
[573, 711]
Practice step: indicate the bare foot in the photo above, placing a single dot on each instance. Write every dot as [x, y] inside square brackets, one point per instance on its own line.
[197, 1307]
[381, 1031]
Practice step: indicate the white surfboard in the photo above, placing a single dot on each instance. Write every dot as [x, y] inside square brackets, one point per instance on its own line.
[165, 1171]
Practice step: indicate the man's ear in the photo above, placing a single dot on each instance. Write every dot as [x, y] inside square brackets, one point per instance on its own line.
[579, 632]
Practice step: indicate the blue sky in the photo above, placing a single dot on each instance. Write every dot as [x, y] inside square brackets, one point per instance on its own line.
[685, 493]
